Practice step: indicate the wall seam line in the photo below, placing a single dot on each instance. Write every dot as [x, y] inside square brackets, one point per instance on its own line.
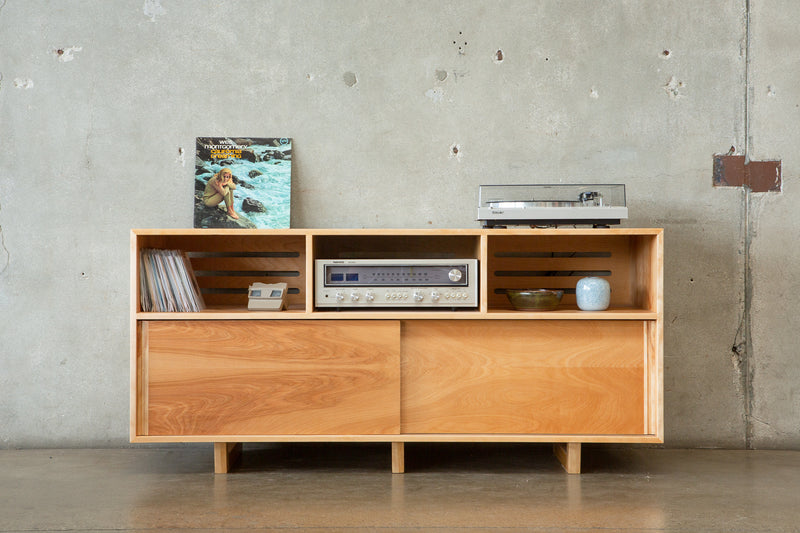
[747, 374]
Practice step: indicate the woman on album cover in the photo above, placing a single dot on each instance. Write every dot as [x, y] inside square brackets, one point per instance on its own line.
[220, 188]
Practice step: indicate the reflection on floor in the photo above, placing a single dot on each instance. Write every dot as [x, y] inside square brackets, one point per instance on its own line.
[449, 487]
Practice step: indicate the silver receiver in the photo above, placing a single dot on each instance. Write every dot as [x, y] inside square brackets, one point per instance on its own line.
[367, 283]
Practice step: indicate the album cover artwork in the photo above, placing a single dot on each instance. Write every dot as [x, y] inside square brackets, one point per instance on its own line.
[243, 182]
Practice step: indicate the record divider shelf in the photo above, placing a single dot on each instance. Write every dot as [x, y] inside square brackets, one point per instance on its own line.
[226, 375]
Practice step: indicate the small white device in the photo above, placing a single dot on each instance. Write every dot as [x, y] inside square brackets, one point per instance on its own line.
[266, 296]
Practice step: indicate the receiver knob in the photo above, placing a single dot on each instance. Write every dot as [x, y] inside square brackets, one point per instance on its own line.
[339, 296]
[369, 296]
[454, 275]
[355, 296]
[435, 296]
[418, 296]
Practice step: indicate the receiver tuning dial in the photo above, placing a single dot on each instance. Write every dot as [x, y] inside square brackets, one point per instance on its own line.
[454, 275]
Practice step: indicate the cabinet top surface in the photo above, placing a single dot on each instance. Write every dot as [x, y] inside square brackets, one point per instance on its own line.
[404, 231]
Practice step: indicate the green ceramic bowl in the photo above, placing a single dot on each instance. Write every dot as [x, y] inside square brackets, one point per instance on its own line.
[534, 299]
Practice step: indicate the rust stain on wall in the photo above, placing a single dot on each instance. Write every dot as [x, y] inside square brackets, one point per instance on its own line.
[734, 171]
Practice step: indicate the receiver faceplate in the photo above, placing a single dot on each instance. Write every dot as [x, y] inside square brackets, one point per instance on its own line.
[363, 283]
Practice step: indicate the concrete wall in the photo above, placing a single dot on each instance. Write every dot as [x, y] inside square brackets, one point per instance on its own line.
[97, 99]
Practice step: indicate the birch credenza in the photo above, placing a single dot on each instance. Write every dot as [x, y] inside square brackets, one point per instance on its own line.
[490, 374]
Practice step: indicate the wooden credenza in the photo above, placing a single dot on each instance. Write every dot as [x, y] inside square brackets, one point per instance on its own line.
[487, 374]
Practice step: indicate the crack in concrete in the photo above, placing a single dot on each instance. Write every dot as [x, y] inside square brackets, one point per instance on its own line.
[90, 132]
[5, 250]
[2, 5]
[747, 368]
[2, 235]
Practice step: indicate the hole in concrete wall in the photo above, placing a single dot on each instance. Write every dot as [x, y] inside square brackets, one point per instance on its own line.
[350, 79]
[66, 54]
[152, 8]
[436, 94]
[666, 53]
[498, 56]
[459, 43]
[674, 88]
[441, 75]
[23, 83]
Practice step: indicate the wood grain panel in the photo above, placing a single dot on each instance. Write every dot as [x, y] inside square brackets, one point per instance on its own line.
[248, 263]
[655, 373]
[648, 260]
[244, 282]
[238, 242]
[523, 377]
[550, 263]
[273, 377]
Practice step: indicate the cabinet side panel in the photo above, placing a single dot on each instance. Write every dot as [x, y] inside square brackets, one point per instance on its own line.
[655, 365]
[138, 380]
[524, 377]
[273, 377]
[648, 268]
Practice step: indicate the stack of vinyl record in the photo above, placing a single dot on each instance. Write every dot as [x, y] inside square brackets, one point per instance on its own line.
[167, 282]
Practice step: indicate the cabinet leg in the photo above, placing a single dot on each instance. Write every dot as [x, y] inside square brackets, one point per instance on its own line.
[226, 454]
[398, 457]
[569, 454]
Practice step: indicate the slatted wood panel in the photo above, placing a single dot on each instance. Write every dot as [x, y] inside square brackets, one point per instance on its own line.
[224, 279]
[526, 377]
[558, 262]
[270, 378]
[397, 246]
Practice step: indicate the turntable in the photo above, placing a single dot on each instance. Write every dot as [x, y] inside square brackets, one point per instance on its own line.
[551, 205]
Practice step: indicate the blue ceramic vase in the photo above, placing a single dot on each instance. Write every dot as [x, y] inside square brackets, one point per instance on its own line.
[593, 294]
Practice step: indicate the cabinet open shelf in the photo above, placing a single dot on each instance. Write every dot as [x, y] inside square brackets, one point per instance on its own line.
[490, 373]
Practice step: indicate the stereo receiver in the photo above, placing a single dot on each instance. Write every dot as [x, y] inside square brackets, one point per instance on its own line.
[365, 283]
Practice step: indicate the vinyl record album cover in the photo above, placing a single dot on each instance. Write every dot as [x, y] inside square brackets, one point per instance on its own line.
[243, 182]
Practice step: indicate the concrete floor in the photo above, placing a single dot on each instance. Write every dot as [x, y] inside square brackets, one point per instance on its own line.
[344, 487]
